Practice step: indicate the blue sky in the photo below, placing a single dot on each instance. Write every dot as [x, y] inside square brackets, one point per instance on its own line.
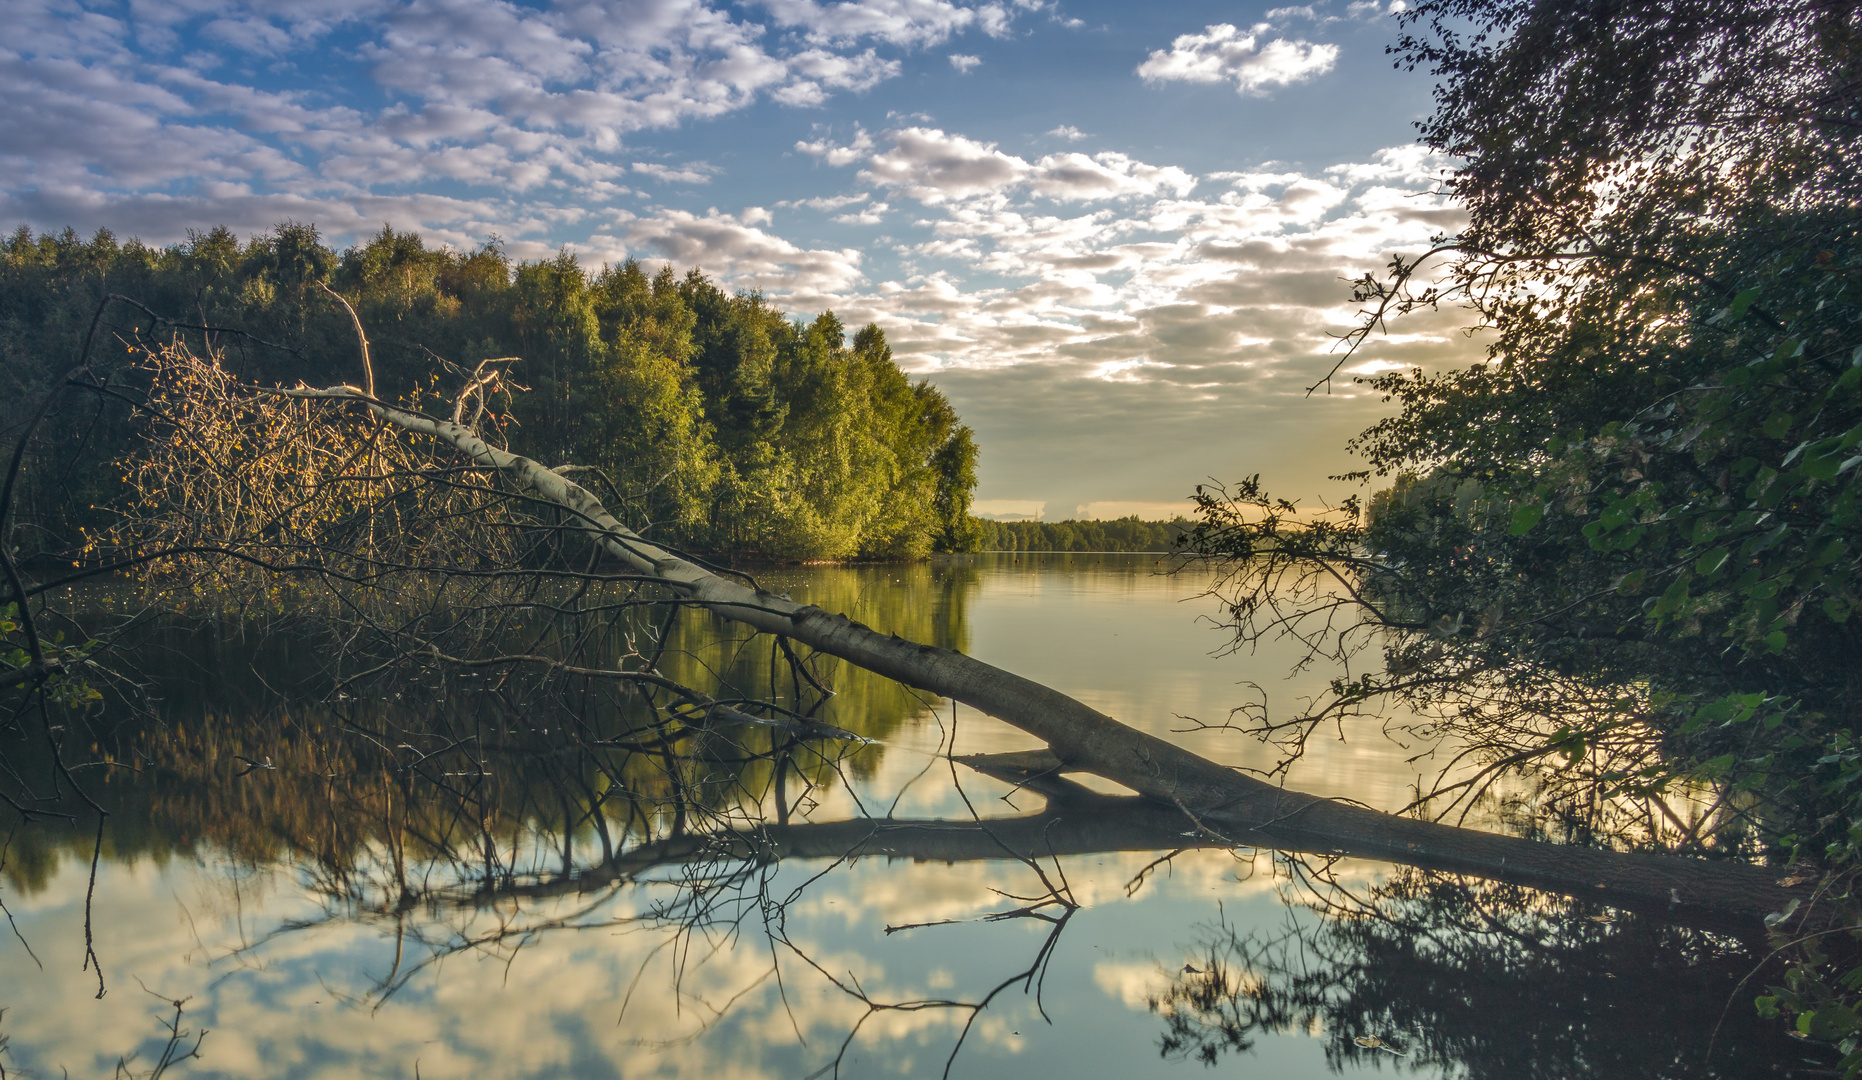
[1113, 233]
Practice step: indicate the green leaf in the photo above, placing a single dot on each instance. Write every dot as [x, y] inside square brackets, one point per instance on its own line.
[1821, 468]
[1828, 1023]
[1525, 517]
[1671, 599]
[1742, 302]
[1711, 562]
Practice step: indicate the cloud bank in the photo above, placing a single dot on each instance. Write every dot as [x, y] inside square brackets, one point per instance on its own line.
[354, 111]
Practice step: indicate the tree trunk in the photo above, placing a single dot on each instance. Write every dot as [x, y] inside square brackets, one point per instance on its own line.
[1074, 822]
[1218, 801]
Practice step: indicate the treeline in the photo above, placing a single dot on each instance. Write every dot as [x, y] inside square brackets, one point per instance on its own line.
[1121, 534]
[715, 420]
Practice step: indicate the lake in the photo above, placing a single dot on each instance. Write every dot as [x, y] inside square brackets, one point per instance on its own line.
[319, 916]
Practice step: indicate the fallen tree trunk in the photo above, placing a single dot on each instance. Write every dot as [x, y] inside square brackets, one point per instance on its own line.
[1216, 800]
[1075, 821]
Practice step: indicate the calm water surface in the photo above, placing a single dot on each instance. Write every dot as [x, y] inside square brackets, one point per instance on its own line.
[309, 942]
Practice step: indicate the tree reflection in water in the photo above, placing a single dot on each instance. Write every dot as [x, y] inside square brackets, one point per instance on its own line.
[1424, 971]
[481, 816]
[486, 816]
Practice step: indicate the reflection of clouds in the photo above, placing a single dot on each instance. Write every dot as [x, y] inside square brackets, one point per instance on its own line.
[299, 1004]
[295, 1004]
[1132, 982]
[1137, 644]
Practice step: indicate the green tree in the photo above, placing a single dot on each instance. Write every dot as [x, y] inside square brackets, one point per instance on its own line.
[713, 416]
[1621, 556]
[1626, 544]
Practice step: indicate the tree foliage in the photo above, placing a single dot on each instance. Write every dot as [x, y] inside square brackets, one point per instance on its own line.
[1622, 555]
[714, 418]
[1627, 544]
[1128, 533]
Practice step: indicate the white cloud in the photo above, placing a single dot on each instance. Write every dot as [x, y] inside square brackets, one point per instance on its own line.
[1076, 176]
[933, 167]
[828, 202]
[965, 64]
[870, 215]
[911, 23]
[1074, 292]
[1222, 53]
[817, 72]
[825, 149]
[694, 172]
[1068, 132]
[1413, 164]
[504, 100]
[735, 249]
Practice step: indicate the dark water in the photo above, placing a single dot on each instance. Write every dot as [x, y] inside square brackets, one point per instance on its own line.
[332, 917]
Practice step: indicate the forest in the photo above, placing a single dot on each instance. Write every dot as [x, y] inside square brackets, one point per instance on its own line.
[715, 421]
[1119, 534]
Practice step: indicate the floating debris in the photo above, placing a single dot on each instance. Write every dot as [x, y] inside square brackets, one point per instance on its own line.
[1372, 1042]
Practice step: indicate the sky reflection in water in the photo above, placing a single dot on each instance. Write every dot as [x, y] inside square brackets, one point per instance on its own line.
[299, 972]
